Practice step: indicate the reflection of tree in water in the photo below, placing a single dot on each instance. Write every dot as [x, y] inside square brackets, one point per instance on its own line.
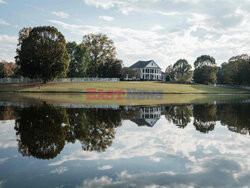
[94, 128]
[179, 115]
[235, 116]
[204, 117]
[42, 131]
[7, 113]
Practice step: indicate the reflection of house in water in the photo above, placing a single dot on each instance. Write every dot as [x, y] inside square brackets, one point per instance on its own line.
[148, 116]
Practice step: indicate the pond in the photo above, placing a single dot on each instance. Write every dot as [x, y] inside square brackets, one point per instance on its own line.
[57, 145]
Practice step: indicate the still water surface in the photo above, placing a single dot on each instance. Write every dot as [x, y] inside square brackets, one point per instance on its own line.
[203, 145]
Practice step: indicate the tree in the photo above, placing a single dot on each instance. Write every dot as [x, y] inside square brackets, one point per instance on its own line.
[79, 58]
[205, 75]
[110, 69]
[182, 71]
[205, 70]
[204, 60]
[237, 70]
[130, 73]
[170, 74]
[219, 75]
[42, 53]
[8, 70]
[101, 50]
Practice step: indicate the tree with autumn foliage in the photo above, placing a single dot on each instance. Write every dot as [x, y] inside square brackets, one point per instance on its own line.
[101, 51]
[8, 69]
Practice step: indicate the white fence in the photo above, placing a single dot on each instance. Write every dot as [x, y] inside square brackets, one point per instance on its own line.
[233, 86]
[27, 80]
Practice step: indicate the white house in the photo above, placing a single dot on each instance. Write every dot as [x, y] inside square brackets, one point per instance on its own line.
[149, 70]
[148, 116]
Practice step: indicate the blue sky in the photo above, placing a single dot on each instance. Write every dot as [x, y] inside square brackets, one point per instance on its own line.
[162, 30]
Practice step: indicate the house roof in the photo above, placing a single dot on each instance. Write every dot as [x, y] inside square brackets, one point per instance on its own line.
[143, 122]
[142, 64]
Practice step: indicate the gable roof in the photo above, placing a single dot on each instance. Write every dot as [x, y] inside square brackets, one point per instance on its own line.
[142, 64]
[143, 122]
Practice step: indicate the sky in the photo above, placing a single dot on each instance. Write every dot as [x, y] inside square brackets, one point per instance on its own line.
[159, 30]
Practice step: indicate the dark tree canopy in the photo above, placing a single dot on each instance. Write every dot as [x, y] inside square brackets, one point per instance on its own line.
[111, 69]
[237, 70]
[219, 75]
[205, 70]
[42, 53]
[179, 72]
[41, 131]
[204, 60]
[79, 59]
[182, 71]
[205, 75]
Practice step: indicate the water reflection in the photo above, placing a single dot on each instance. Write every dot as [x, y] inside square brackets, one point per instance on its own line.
[43, 130]
[94, 128]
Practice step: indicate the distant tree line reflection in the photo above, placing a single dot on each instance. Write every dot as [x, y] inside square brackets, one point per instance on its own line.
[43, 130]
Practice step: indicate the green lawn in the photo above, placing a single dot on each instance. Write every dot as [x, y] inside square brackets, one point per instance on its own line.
[81, 87]
[68, 98]
[73, 93]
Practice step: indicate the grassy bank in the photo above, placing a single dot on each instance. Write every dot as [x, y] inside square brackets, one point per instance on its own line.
[68, 98]
[81, 87]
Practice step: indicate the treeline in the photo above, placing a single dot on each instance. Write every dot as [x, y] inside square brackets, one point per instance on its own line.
[43, 53]
[235, 71]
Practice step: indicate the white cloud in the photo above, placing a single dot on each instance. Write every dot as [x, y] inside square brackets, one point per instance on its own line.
[106, 18]
[105, 167]
[3, 2]
[8, 46]
[167, 47]
[2, 160]
[3, 22]
[59, 170]
[61, 14]
[8, 133]
[157, 28]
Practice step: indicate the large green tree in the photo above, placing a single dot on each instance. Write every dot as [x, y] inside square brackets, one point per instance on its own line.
[182, 71]
[204, 60]
[42, 53]
[205, 75]
[179, 72]
[101, 50]
[79, 59]
[237, 70]
[111, 69]
[205, 70]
